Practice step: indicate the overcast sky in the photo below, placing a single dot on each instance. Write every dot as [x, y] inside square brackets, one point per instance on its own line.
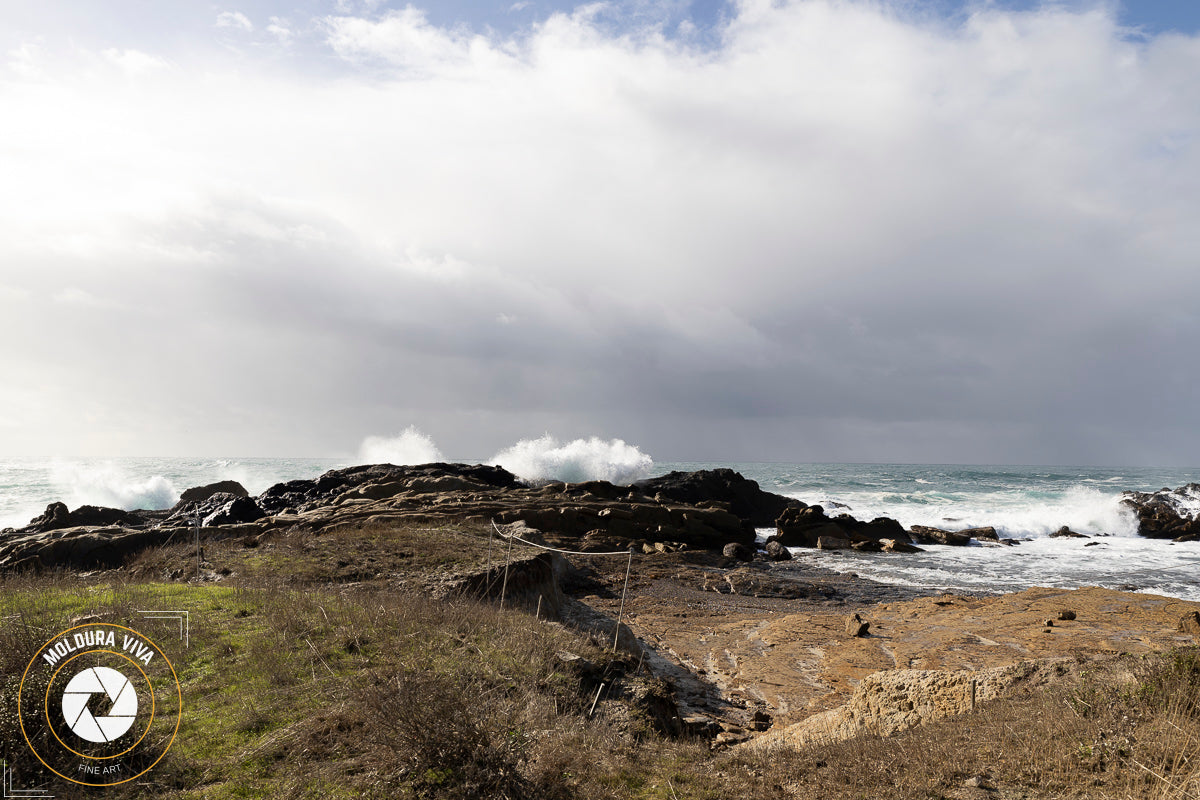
[816, 230]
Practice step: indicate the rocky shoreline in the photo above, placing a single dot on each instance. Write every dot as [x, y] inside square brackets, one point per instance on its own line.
[716, 510]
[746, 637]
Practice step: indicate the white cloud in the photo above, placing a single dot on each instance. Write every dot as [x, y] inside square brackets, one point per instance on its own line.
[280, 29]
[234, 19]
[837, 219]
[133, 62]
[26, 59]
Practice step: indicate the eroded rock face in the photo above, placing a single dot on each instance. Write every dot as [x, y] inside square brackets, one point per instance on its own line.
[1167, 513]
[891, 701]
[75, 548]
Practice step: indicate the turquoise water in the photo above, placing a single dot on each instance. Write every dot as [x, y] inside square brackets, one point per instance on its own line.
[1026, 503]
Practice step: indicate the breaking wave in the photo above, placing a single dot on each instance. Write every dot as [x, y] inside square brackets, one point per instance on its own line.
[106, 484]
[410, 447]
[545, 459]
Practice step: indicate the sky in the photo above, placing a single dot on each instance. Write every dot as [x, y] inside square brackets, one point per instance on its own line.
[808, 230]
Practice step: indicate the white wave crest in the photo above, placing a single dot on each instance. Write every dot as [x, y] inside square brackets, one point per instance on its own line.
[1014, 514]
[410, 447]
[544, 459]
[106, 484]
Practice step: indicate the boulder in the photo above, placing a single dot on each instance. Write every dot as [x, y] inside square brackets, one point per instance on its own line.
[233, 511]
[801, 527]
[1167, 513]
[199, 494]
[856, 626]
[738, 551]
[923, 534]
[893, 546]
[777, 552]
[757, 508]
[1066, 533]
[832, 543]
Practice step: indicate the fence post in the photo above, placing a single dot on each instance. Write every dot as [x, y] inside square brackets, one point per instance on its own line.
[507, 558]
[621, 611]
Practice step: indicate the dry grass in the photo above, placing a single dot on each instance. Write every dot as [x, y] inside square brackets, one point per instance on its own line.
[300, 683]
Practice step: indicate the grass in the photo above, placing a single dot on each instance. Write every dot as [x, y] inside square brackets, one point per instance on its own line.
[301, 683]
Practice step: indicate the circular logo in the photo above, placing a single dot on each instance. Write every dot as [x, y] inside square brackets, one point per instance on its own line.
[99, 704]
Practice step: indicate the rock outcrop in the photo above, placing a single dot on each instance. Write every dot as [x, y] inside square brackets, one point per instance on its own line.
[1167, 513]
[595, 515]
[890, 701]
[57, 517]
[741, 495]
[808, 526]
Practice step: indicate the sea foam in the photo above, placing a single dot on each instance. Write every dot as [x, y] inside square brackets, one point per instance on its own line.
[106, 484]
[410, 447]
[1013, 513]
[545, 459]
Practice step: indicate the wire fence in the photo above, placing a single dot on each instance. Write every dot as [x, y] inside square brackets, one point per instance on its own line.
[512, 537]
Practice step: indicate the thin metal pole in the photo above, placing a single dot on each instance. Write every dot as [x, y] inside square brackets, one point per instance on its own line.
[621, 611]
[504, 586]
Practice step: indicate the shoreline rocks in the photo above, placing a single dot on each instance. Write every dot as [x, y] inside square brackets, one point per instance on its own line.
[1167, 513]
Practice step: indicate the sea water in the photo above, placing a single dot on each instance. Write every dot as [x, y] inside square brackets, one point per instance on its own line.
[1024, 503]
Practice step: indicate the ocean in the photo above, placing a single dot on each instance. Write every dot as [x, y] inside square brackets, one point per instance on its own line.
[1026, 503]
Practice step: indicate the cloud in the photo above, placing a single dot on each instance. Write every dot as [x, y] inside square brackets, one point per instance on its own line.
[279, 28]
[133, 62]
[236, 20]
[834, 232]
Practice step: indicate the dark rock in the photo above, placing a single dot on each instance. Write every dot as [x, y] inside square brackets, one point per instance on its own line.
[1066, 615]
[57, 517]
[233, 511]
[200, 493]
[856, 626]
[1165, 514]
[1190, 623]
[76, 548]
[738, 551]
[777, 552]
[893, 546]
[1066, 533]
[302, 495]
[757, 508]
[985, 534]
[868, 545]
[926, 535]
[832, 543]
[807, 526]
[800, 527]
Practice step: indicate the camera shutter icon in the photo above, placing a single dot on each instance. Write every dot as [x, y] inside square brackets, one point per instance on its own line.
[108, 727]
